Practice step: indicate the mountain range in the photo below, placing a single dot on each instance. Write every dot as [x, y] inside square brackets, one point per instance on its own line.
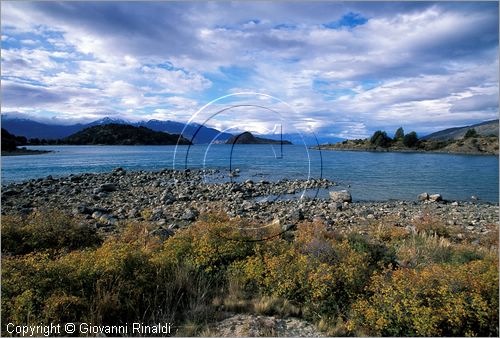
[204, 135]
[486, 128]
[33, 129]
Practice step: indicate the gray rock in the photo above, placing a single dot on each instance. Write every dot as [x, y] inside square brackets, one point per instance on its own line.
[335, 206]
[82, 209]
[341, 196]
[97, 214]
[287, 227]
[189, 215]
[108, 219]
[108, 187]
[435, 197]
[296, 216]
[246, 205]
[423, 196]
[10, 192]
[162, 234]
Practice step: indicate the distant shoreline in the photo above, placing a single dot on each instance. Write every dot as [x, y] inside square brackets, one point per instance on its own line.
[416, 151]
[24, 151]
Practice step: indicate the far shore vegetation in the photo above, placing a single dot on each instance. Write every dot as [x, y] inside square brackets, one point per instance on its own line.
[11, 144]
[470, 143]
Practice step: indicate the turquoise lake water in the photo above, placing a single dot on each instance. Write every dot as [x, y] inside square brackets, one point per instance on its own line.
[368, 175]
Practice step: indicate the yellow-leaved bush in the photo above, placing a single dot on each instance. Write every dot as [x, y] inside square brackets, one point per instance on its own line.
[382, 280]
[437, 300]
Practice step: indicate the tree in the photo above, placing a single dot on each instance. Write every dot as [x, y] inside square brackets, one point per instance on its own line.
[399, 134]
[410, 140]
[380, 139]
[8, 141]
[471, 133]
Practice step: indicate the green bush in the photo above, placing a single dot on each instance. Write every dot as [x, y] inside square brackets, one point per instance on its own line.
[45, 231]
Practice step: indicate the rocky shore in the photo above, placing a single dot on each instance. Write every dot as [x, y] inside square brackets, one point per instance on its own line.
[172, 199]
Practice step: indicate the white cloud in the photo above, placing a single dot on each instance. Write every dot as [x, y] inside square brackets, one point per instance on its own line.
[415, 64]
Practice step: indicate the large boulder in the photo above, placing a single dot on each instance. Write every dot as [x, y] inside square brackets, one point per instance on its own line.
[423, 196]
[341, 196]
[435, 198]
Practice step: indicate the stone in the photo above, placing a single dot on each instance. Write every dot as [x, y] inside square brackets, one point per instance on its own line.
[82, 209]
[341, 196]
[167, 198]
[97, 214]
[423, 196]
[10, 192]
[162, 233]
[108, 219]
[335, 206]
[287, 227]
[435, 197]
[246, 205]
[108, 187]
[296, 216]
[189, 215]
[133, 213]
[455, 204]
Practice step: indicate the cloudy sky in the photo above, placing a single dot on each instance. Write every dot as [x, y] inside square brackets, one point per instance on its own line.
[343, 69]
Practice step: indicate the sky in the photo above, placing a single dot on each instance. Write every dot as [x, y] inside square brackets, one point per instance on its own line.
[339, 69]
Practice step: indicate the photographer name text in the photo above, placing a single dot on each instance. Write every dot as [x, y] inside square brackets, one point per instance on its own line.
[88, 329]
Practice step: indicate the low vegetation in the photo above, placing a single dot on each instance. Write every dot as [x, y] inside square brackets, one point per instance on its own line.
[471, 142]
[378, 279]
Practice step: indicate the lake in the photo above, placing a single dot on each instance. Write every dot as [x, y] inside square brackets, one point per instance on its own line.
[370, 176]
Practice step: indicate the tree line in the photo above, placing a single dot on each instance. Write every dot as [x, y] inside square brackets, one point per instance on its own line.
[381, 139]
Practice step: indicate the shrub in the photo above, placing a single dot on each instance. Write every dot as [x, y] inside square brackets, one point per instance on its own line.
[210, 245]
[122, 281]
[423, 250]
[378, 279]
[438, 300]
[317, 270]
[43, 231]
